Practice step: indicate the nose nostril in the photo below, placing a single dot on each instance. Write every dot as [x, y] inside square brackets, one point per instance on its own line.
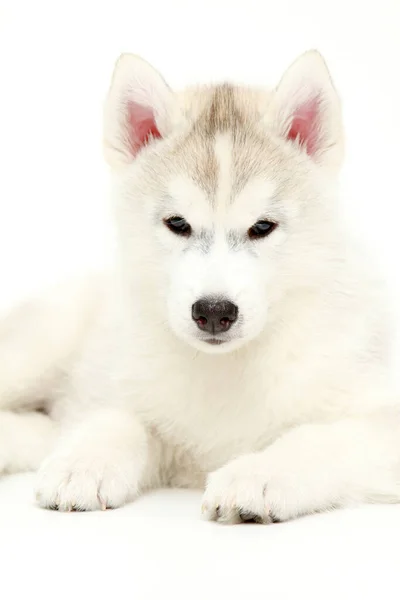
[201, 322]
[225, 322]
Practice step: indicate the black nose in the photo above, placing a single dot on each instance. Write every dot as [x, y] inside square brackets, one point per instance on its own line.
[214, 315]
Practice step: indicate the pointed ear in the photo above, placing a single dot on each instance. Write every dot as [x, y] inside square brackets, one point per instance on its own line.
[306, 110]
[139, 108]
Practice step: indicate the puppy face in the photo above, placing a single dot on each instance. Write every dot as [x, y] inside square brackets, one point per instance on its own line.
[223, 192]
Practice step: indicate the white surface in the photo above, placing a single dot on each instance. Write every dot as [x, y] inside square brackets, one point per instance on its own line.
[55, 63]
[160, 548]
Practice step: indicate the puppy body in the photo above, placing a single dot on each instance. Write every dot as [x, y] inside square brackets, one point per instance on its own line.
[288, 408]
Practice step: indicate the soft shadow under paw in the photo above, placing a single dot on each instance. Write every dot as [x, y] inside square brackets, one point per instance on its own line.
[250, 517]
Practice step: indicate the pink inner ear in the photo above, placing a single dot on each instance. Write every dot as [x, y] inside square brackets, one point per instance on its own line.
[305, 127]
[141, 125]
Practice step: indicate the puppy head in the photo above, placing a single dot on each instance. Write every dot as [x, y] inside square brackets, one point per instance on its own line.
[223, 193]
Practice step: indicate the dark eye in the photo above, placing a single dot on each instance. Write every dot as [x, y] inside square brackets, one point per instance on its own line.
[178, 225]
[261, 229]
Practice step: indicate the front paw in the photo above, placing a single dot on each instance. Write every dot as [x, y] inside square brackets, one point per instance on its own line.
[83, 483]
[236, 493]
[253, 488]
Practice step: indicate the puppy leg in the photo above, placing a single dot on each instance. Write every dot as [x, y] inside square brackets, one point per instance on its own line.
[312, 468]
[98, 464]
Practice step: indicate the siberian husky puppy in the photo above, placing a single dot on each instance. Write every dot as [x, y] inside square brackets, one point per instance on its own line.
[241, 342]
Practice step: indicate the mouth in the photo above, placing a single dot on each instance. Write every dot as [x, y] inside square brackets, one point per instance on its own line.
[216, 344]
[214, 341]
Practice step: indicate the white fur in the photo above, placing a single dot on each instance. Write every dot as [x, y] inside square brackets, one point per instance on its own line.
[295, 411]
[223, 155]
[25, 440]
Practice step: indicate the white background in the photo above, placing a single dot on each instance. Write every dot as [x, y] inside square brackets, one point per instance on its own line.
[56, 60]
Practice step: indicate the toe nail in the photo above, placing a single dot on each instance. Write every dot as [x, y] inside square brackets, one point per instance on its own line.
[103, 505]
